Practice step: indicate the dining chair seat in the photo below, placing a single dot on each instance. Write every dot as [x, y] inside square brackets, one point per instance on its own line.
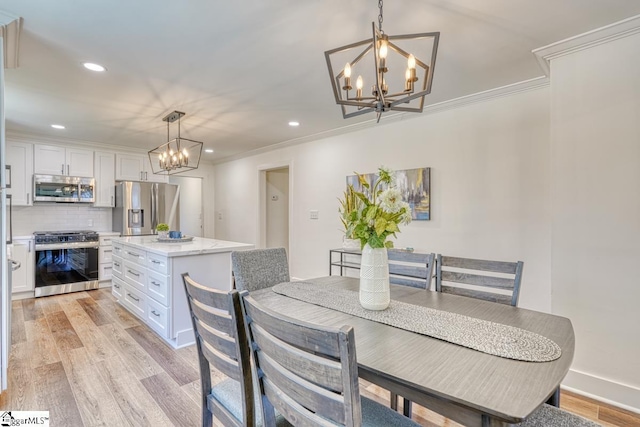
[259, 268]
[550, 416]
[228, 393]
[377, 415]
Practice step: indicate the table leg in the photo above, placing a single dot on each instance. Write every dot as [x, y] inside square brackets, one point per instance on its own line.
[554, 399]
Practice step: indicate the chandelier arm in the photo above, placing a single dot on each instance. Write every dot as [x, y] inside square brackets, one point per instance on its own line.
[376, 59]
[380, 19]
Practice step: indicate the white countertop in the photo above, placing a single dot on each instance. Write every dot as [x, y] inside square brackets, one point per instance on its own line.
[198, 246]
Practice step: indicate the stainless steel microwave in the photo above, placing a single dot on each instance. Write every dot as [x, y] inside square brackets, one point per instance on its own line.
[59, 188]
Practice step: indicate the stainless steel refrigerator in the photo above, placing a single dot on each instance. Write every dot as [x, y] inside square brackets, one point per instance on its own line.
[141, 206]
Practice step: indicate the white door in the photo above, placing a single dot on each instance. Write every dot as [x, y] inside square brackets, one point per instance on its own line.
[277, 204]
[190, 204]
[129, 167]
[20, 156]
[104, 170]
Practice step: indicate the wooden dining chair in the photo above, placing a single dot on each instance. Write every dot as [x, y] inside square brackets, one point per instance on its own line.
[222, 343]
[309, 372]
[410, 268]
[499, 281]
[259, 268]
[414, 270]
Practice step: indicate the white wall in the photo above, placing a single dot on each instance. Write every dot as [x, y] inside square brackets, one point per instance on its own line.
[489, 178]
[595, 116]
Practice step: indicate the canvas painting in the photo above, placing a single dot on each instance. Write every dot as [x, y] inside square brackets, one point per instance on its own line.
[415, 185]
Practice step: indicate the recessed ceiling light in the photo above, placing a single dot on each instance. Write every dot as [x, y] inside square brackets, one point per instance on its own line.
[294, 124]
[94, 67]
[57, 126]
[208, 150]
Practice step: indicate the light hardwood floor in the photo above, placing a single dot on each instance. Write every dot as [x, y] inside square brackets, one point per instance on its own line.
[90, 363]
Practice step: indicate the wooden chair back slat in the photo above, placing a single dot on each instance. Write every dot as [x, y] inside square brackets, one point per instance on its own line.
[478, 280]
[480, 264]
[408, 270]
[297, 335]
[204, 296]
[315, 369]
[219, 320]
[221, 362]
[283, 348]
[407, 282]
[294, 412]
[325, 403]
[483, 286]
[487, 296]
[221, 341]
[414, 257]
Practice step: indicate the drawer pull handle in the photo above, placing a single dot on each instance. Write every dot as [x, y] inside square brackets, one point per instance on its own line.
[133, 298]
[108, 250]
[107, 268]
[116, 286]
[106, 240]
[132, 254]
[155, 262]
[135, 274]
[154, 283]
[116, 264]
[154, 313]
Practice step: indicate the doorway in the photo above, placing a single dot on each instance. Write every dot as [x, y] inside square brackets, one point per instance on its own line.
[275, 189]
[190, 204]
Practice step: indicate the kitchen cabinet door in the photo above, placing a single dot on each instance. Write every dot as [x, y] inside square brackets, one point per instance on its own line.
[150, 176]
[19, 155]
[79, 162]
[104, 169]
[50, 160]
[23, 278]
[130, 167]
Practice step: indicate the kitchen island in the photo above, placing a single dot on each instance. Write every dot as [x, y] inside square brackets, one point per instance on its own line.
[147, 279]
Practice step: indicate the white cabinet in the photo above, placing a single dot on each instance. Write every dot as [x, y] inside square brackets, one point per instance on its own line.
[55, 160]
[104, 169]
[105, 256]
[23, 278]
[19, 155]
[136, 167]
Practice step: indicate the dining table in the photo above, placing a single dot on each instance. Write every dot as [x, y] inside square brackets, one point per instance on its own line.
[465, 385]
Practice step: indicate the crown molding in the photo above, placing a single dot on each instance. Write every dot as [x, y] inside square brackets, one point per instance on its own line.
[625, 28]
[512, 89]
[10, 33]
[35, 138]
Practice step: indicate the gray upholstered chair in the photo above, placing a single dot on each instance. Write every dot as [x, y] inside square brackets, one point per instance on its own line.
[222, 343]
[259, 268]
[309, 373]
[550, 416]
[503, 288]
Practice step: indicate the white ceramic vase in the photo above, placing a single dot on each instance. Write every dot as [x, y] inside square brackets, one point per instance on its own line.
[374, 278]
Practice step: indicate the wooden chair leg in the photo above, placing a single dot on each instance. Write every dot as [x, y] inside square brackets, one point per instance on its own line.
[407, 407]
[554, 399]
[394, 401]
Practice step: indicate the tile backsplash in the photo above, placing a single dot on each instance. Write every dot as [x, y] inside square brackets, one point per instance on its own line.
[59, 216]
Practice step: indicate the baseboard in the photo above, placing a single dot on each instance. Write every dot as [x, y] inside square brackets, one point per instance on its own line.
[22, 295]
[605, 390]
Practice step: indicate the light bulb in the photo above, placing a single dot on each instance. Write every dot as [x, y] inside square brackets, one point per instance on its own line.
[186, 154]
[383, 50]
[407, 74]
[160, 156]
[175, 159]
[171, 152]
[180, 156]
[359, 83]
[411, 62]
[347, 70]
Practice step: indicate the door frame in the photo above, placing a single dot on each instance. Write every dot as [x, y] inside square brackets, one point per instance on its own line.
[261, 235]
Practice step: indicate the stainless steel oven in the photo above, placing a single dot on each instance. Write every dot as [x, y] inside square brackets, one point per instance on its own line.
[65, 261]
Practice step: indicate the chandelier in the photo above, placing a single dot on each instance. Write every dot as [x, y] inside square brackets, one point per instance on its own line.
[388, 57]
[177, 155]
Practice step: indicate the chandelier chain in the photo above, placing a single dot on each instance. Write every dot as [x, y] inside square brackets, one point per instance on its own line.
[380, 16]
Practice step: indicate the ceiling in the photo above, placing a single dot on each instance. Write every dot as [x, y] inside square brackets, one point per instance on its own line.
[241, 70]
